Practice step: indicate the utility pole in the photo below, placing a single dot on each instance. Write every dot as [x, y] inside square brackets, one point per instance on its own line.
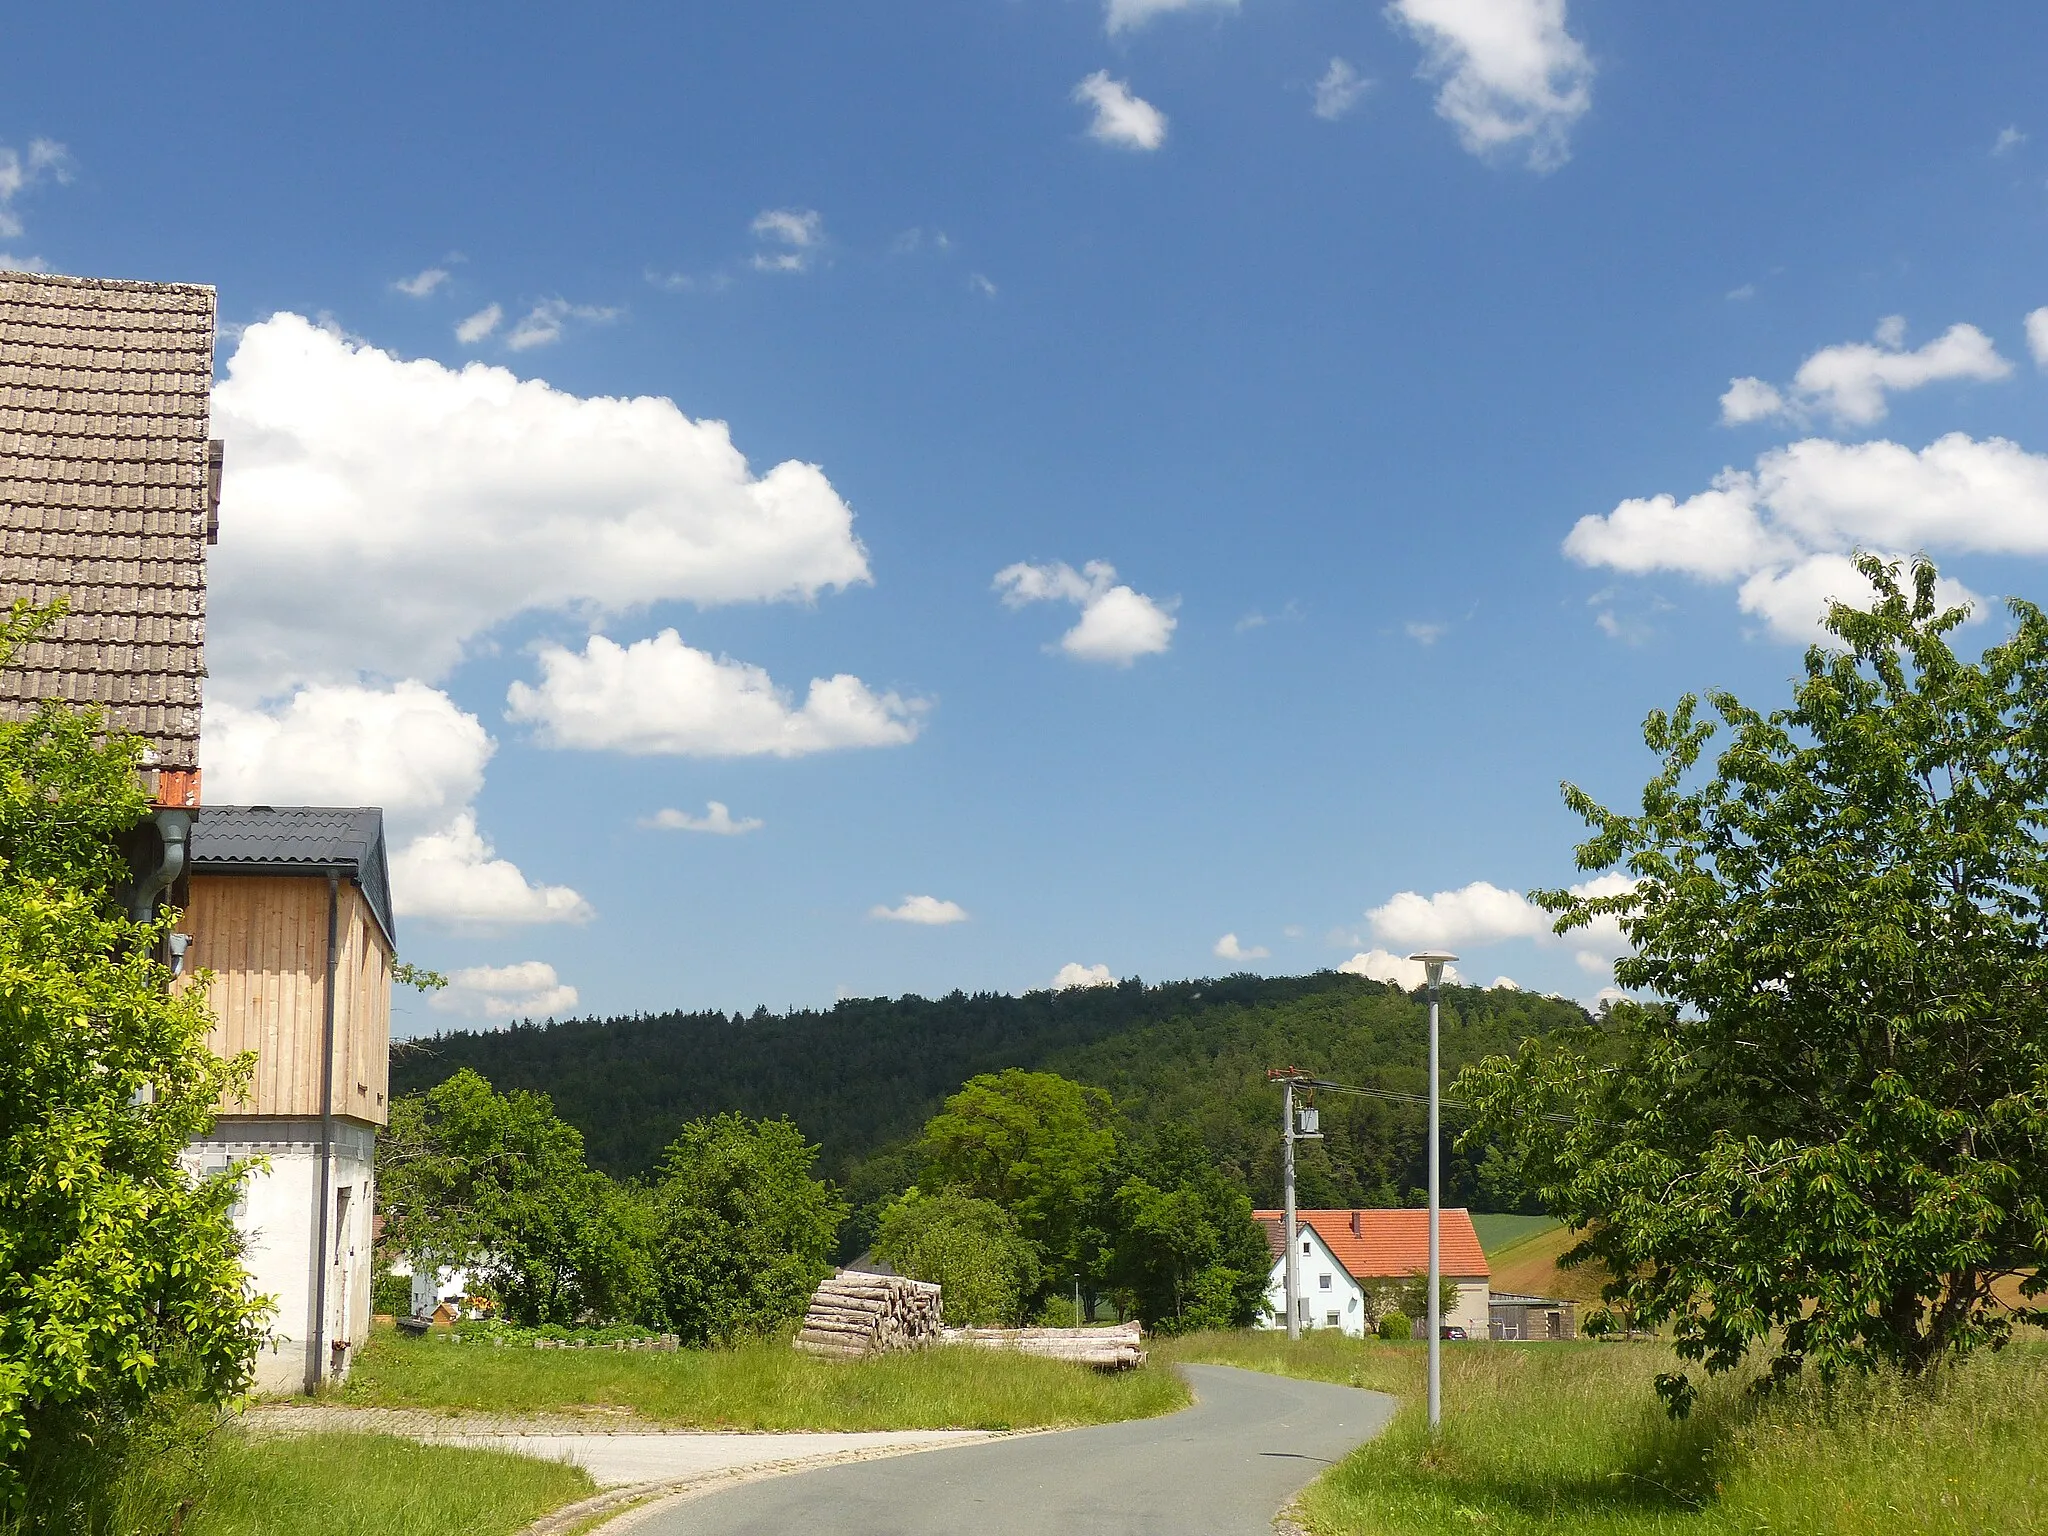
[1293, 1285]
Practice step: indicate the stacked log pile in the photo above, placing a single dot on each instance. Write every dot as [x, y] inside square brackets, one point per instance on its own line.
[1116, 1348]
[855, 1314]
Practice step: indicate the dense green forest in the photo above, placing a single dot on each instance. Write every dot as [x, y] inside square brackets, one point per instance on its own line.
[861, 1078]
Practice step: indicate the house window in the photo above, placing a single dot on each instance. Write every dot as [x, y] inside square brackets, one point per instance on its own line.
[1304, 1245]
[1324, 1282]
[1331, 1319]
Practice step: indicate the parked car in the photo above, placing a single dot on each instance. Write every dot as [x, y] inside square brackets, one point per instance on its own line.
[1453, 1331]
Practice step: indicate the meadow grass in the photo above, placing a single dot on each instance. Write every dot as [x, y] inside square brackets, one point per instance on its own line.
[763, 1386]
[1545, 1439]
[374, 1485]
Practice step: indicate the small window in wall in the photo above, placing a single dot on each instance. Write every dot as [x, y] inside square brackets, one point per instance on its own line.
[1331, 1319]
[1324, 1282]
[1304, 1245]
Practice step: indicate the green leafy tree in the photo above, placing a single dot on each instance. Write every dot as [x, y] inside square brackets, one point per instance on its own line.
[743, 1230]
[970, 1248]
[1184, 1252]
[1411, 1297]
[120, 1274]
[1830, 1140]
[1037, 1145]
[496, 1183]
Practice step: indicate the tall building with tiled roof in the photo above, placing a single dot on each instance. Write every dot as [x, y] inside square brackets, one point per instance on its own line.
[109, 496]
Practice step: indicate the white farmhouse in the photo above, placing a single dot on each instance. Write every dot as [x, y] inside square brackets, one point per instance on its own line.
[1345, 1255]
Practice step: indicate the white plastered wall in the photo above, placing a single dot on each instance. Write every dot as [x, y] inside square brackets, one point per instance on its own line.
[279, 1218]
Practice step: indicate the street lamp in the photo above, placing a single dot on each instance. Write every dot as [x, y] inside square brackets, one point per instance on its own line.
[1433, 962]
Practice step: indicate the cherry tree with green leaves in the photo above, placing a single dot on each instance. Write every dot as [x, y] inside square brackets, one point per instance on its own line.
[1826, 1139]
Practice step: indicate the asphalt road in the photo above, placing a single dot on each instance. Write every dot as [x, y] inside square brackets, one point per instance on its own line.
[1224, 1467]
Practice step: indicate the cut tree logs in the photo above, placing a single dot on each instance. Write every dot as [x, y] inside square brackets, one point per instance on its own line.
[1116, 1348]
[855, 1314]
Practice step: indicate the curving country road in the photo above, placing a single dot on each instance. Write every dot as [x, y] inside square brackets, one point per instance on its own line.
[1221, 1468]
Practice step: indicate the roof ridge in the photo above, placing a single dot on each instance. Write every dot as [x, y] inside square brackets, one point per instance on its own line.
[122, 284]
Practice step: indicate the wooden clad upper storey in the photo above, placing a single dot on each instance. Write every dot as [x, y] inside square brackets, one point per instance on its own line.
[109, 495]
[258, 914]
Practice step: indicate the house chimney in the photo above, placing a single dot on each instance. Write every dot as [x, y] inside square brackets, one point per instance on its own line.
[1355, 1230]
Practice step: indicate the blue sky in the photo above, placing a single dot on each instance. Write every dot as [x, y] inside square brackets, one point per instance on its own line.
[1357, 340]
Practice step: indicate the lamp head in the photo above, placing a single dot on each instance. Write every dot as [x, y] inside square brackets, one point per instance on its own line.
[1433, 962]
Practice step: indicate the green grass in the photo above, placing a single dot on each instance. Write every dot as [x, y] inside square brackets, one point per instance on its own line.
[1497, 1232]
[758, 1386]
[1550, 1439]
[375, 1485]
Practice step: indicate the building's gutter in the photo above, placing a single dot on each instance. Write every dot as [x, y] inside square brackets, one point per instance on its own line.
[316, 1364]
[174, 827]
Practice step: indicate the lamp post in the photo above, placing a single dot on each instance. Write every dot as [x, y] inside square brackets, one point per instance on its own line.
[1433, 962]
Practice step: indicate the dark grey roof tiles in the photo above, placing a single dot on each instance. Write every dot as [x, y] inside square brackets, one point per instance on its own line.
[106, 496]
[265, 839]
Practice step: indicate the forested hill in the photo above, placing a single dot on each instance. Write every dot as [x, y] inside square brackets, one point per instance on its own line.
[863, 1076]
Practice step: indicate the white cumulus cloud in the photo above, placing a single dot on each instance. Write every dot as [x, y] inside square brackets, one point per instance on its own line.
[1483, 913]
[384, 516]
[1783, 528]
[528, 990]
[542, 325]
[1118, 624]
[1379, 965]
[660, 696]
[421, 284]
[381, 516]
[1075, 974]
[1850, 381]
[454, 876]
[1126, 15]
[717, 820]
[45, 160]
[1509, 74]
[1227, 948]
[790, 237]
[2037, 336]
[1480, 913]
[474, 328]
[1338, 90]
[1127, 121]
[408, 749]
[925, 911]
[2009, 138]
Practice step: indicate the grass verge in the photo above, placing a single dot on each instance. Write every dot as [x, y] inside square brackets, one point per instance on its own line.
[375, 1485]
[1545, 1439]
[762, 1386]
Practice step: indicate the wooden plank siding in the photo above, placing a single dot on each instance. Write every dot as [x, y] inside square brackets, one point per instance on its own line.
[264, 938]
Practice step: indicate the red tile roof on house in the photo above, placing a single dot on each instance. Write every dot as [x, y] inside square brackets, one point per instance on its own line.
[1388, 1244]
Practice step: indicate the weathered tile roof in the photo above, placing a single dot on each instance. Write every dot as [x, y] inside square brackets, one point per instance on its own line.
[289, 839]
[108, 493]
[1388, 1244]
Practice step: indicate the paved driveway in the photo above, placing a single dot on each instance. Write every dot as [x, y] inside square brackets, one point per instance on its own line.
[1221, 1468]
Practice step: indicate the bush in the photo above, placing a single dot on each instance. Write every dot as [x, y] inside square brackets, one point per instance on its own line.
[1396, 1326]
[123, 1274]
[742, 1232]
[970, 1248]
[391, 1294]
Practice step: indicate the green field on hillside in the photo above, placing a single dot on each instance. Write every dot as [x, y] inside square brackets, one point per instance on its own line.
[1498, 1232]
